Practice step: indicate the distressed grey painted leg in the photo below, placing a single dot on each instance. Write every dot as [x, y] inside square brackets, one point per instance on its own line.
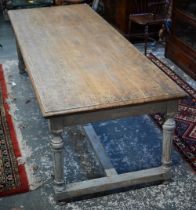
[168, 131]
[21, 64]
[57, 146]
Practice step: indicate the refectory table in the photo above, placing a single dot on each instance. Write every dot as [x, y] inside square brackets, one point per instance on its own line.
[82, 70]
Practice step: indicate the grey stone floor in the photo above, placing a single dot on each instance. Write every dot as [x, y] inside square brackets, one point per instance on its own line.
[142, 151]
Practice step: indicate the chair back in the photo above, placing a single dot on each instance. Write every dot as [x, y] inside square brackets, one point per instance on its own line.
[140, 6]
[157, 7]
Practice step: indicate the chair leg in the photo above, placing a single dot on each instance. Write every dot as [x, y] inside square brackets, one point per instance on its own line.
[145, 39]
[129, 30]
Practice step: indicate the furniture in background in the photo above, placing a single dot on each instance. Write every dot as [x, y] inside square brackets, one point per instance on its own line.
[93, 3]
[181, 44]
[146, 14]
[92, 74]
[117, 13]
[74, 1]
[19, 4]
[62, 2]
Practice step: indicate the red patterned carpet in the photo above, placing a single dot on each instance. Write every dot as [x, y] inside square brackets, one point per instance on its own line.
[185, 133]
[13, 177]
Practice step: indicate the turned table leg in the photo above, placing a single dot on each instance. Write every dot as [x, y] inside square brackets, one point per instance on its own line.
[21, 64]
[57, 146]
[168, 131]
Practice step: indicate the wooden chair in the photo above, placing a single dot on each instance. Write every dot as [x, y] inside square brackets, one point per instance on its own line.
[148, 13]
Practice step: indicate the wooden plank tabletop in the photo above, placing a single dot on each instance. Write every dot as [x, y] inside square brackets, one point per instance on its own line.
[78, 62]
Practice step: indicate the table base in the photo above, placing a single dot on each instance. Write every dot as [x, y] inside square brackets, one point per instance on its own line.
[112, 179]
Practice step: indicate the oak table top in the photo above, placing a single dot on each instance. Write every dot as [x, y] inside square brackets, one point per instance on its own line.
[77, 62]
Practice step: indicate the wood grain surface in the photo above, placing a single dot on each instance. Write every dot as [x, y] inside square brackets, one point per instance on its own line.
[77, 62]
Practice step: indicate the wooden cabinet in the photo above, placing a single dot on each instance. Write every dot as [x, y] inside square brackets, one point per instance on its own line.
[181, 45]
[117, 12]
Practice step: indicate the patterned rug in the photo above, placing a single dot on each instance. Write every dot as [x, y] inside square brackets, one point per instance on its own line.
[185, 132]
[13, 177]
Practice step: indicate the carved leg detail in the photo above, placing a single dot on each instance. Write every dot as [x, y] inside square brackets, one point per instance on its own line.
[168, 131]
[57, 146]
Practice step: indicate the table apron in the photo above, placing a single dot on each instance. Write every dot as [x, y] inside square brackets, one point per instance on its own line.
[56, 124]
